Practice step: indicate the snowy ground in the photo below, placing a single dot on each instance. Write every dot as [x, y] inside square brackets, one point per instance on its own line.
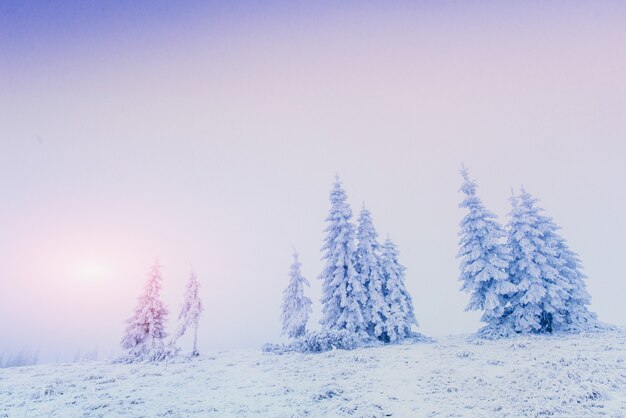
[576, 376]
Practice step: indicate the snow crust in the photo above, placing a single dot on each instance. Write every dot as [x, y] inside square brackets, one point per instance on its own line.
[580, 375]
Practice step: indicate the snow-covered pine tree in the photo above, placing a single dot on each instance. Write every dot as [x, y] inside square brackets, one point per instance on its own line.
[343, 295]
[296, 307]
[145, 333]
[401, 314]
[369, 269]
[542, 291]
[190, 312]
[577, 316]
[572, 312]
[484, 261]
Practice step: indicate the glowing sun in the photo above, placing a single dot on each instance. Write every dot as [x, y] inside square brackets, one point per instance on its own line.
[89, 271]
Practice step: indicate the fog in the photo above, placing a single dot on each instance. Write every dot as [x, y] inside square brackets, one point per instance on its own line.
[208, 137]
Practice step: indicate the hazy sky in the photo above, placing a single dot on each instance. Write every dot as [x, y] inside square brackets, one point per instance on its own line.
[208, 135]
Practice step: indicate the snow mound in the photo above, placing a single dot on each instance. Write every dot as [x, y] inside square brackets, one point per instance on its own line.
[580, 375]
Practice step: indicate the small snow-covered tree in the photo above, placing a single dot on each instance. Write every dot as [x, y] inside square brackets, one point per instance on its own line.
[401, 314]
[484, 259]
[190, 311]
[296, 307]
[145, 332]
[369, 269]
[343, 295]
[542, 291]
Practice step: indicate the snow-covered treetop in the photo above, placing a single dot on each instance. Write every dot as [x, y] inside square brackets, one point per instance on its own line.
[528, 227]
[339, 228]
[390, 256]
[294, 270]
[477, 211]
[469, 186]
[150, 305]
[366, 231]
[367, 240]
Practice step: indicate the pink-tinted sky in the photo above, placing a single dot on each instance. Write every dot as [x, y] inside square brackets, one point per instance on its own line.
[209, 135]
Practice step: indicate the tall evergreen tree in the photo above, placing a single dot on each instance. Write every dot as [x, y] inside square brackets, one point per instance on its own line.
[296, 307]
[567, 299]
[484, 260]
[145, 332]
[369, 268]
[535, 268]
[190, 311]
[401, 314]
[343, 295]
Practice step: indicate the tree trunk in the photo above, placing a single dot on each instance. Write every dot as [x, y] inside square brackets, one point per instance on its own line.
[195, 341]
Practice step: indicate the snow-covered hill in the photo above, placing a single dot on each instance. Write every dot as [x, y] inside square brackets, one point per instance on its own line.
[574, 376]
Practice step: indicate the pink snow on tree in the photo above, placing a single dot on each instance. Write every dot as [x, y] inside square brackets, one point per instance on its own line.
[191, 310]
[145, 333]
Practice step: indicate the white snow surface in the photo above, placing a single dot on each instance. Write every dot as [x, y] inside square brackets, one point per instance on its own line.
[565, 376]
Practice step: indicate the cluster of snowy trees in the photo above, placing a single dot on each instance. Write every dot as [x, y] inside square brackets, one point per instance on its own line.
[524, 277]
[145, 335]
[363, 289]
[21, 358]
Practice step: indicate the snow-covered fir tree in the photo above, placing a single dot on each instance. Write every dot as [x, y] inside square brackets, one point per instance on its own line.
[343, 295]
[145, 332]
[401, 314]
[484, 260]
[574, 314]
[577, 316]
[190, 312]
[296, 306]
[540, 303]
[369, 269]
